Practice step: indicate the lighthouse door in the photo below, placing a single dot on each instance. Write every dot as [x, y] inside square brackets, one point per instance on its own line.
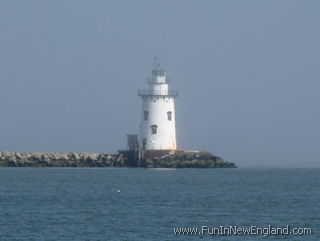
[144, 143]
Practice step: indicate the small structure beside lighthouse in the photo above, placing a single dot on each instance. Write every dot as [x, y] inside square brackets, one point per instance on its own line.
[158, 126]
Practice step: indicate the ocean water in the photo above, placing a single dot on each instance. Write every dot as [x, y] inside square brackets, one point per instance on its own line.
[147, 204]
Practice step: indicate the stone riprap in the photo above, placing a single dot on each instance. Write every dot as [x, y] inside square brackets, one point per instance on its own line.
[63, 159]
[188, 159]
[86, 159]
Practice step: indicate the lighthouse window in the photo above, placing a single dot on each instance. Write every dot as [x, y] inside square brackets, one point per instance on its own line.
[146, 115]
[154, 129]
[169, 113]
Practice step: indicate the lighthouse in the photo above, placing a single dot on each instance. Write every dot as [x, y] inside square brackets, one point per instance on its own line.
[158, 126]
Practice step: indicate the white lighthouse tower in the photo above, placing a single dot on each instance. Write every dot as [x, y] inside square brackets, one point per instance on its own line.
[157, 127]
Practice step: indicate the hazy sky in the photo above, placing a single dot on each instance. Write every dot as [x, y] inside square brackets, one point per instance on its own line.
[247, 72]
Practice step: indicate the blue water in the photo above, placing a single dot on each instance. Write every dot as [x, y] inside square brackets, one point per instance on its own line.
[84, 203]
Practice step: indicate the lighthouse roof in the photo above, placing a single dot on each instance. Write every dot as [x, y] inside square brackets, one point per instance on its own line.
[158, 72]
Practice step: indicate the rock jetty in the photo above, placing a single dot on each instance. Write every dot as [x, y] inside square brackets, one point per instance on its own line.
[87, 159]
[188, 159]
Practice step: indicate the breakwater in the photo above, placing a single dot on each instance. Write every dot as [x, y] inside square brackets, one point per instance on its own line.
[183, 159]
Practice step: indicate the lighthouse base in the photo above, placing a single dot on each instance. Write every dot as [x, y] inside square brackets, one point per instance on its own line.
[136, 158]
[174, 159]
[152, 154]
